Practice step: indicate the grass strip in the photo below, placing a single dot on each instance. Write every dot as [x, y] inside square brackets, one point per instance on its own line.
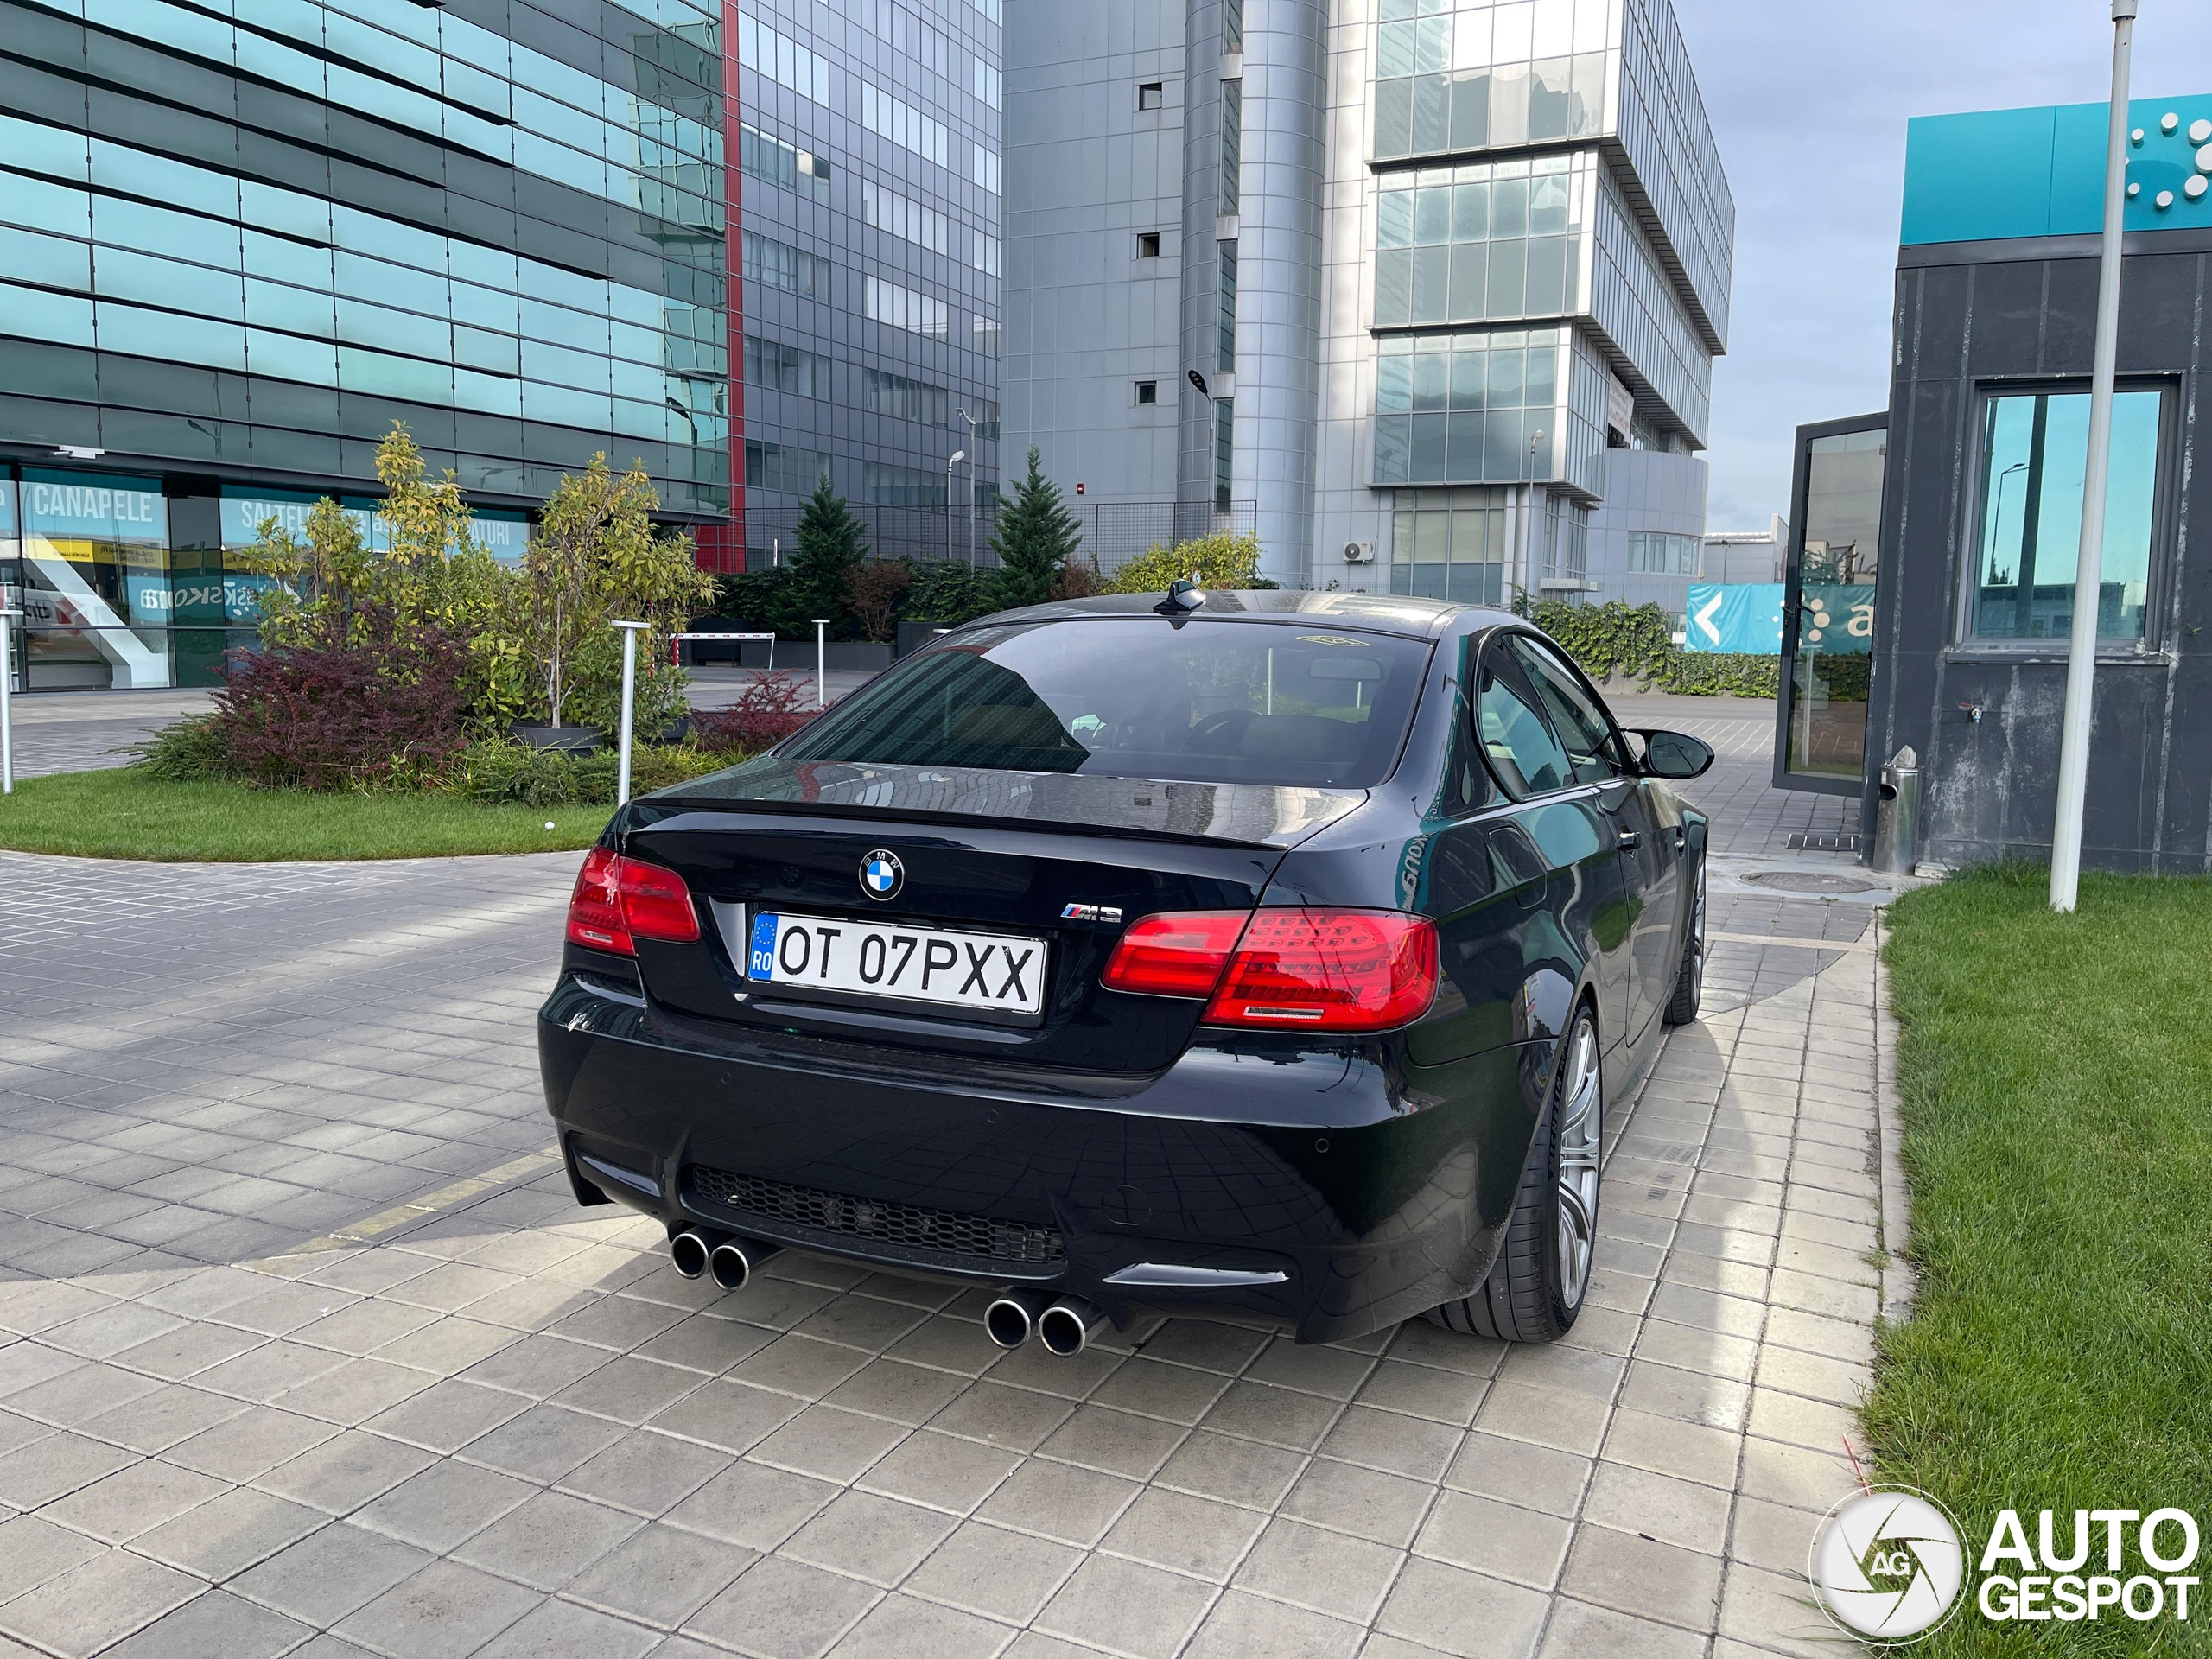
[2055, 1082]
[123, 813]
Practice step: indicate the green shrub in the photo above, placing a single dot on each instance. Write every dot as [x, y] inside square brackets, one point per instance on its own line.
[499, 771]
[1633, 642]
[1222, 560]
[186, 753]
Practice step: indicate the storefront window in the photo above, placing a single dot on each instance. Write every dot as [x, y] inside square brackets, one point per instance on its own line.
[2035, 450]
[96, 581]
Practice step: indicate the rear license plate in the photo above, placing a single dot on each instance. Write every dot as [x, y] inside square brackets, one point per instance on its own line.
[982, 972]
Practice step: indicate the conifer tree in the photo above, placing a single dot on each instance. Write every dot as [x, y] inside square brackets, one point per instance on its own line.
[1035, 538]
[831, 546]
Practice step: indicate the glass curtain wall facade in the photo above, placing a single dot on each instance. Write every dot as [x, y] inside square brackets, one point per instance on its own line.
[1546, 259]
[869, 185]
[237, 242]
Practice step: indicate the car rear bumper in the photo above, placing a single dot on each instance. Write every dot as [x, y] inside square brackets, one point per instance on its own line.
[1337, 1190]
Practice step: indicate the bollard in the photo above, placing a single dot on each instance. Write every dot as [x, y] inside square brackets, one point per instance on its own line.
[7, 699]
[821, 662]
[1897, 815]
[630, 632]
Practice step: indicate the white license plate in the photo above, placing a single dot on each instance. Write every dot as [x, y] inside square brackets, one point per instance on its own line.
[984, 972]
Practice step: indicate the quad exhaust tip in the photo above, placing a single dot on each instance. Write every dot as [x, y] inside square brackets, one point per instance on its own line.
[735, 1261]
[1066, 1327]
[1011, 1318]
[690, 1251]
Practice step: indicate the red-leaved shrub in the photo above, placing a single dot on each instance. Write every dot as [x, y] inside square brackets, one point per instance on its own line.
[766, 711]
[368, 716]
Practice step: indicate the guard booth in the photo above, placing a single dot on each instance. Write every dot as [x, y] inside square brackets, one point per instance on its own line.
[1928, 591]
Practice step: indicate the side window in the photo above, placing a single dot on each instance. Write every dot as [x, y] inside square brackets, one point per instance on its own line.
[1527, 758]
[1578, 721]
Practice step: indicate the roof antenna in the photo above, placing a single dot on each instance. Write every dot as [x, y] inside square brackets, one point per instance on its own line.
[1183, 597]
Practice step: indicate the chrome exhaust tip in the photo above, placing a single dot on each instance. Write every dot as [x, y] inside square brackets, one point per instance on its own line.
[1011, 1317]
[689, 1249]
[1066, 1327]
[735, 1261]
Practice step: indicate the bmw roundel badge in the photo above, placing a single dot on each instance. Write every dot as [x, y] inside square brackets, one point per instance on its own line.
[882, 874]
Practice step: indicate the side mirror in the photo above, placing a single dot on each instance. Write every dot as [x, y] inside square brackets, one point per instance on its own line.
[1674, 755]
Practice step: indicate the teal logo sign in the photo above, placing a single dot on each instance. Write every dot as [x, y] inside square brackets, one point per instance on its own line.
[1837, 618]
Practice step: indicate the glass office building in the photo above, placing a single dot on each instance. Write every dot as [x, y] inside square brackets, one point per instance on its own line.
[239, 239]
[868, 180]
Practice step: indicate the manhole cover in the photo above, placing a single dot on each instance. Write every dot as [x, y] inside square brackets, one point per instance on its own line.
[1811, 881]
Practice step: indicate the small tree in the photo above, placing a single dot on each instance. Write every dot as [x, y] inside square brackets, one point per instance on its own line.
[1035, 538]
[1221, 560]
[832, 547]
[946, 593]
[876, 589]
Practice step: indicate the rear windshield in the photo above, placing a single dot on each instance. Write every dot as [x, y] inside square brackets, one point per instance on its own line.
[1225, 702]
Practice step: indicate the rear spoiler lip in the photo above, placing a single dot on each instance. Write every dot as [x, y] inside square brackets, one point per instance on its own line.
[645, 811]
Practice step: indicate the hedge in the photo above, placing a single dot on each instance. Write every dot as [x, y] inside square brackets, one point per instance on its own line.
[1633, 644]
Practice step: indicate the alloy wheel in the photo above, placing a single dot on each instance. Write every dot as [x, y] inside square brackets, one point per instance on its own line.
[1581, 1112]
[1697, 930]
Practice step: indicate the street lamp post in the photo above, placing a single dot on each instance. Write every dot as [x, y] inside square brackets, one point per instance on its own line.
[957, 457]
[974, 447]
[2089, 573]
[1997, 519]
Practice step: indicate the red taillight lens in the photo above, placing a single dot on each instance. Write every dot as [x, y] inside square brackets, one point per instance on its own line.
[595, 909]
[1179, 953]
[1328, 971]
[620, 900]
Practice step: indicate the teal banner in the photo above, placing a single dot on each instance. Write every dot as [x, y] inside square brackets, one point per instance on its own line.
[1743, 616]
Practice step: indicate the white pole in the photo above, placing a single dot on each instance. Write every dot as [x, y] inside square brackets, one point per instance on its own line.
[821, 662]
[6, 703]
[630, 632]
[2089, 573]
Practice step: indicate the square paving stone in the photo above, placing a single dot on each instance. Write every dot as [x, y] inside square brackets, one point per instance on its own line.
[1240, 1626]
[1180, 1393]
[340, 1475]
[32, 1551]
[865, 1536]
[444, 1611]
[1234, 1471]
[645, 1473]
[1384, 1508]
[134, 1500]
[1075, 1505]
[830, 1444]
[1130, 1608]
[728, 1414]
[784, 1610]
[1184, 1534]
[890, 1387]
[1488, 1536]
[543, 1443]
[662, 1574]
[444, 1504]
[215, 1626]
[448, 1416]
[1641, 1576]
[1457, 1612]
[329, 1573]
[92, 1605]
[629, 1389]
[1259, 1411]
[1115, 1442]
[230, 1534]
[1001, 1575]
[1012, 1418]
[1327, 1571]
[45, 1469]
[547, 1539]
[561, 1630]
[941, 1470]
[158, 1421]
[754, 1505]
[540, 1366]
[900, 1627]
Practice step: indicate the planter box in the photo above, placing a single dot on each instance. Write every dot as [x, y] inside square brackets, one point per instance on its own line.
[912, 636]
[580, 740]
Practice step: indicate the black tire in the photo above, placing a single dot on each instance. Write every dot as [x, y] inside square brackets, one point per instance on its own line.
[1689, 980]
[1532, 1294]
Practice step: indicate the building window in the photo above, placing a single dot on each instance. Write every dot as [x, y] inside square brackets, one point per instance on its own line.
[988, 254]
[887, 210]
[1152, 95]
[886, 485]
[1226, 348]
[983, 336]
[775, 366]
[1454, 83]
[1650, 552]
[779, 467]
[1232, 143]
[774, 161]
[1147, 244]
[778, 264]
[904, 125]
[1491, 240]
[1224, 421]
[1477, 408]
[987, 421]
[1147, 393]
[1566, 539]
[901, 307]
[907, 400]
[1449, 544]
[986, 170]
[2034, 455]
[1232, 25]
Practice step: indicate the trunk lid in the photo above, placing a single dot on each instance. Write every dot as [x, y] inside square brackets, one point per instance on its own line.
[994, 853]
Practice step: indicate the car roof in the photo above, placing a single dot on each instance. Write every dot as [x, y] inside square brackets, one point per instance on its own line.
[1424, 618]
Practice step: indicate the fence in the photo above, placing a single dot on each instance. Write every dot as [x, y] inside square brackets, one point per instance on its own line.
[1114, 532]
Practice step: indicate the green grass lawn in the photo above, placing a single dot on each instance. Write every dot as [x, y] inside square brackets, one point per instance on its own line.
[124, 814]
[2056, 1084]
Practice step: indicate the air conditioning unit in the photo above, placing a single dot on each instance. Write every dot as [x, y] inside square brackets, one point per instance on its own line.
[1359, 552]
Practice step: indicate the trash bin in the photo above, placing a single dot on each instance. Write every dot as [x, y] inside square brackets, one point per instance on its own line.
[1897, 815]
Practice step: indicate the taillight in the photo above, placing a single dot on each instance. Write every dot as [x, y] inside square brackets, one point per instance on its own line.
[620, 900]
[1310, 970]
[1328, 971]
[1176, 953]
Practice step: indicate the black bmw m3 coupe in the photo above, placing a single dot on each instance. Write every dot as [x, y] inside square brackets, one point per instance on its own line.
[1275, 953]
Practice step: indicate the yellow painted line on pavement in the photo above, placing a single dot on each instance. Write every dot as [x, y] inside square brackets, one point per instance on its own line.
[1794, 944]
[527, 1167]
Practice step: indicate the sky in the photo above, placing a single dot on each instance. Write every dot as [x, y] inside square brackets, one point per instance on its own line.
[1809, 100]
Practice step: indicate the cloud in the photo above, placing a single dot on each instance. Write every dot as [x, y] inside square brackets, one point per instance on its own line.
[1809, 103]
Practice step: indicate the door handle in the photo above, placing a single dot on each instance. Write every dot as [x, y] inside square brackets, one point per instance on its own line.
[1628, 841]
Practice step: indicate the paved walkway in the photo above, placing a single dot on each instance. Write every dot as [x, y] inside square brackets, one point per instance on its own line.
[86, 731]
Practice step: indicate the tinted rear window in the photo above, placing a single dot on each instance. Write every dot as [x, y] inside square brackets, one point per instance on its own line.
[1227, 702]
